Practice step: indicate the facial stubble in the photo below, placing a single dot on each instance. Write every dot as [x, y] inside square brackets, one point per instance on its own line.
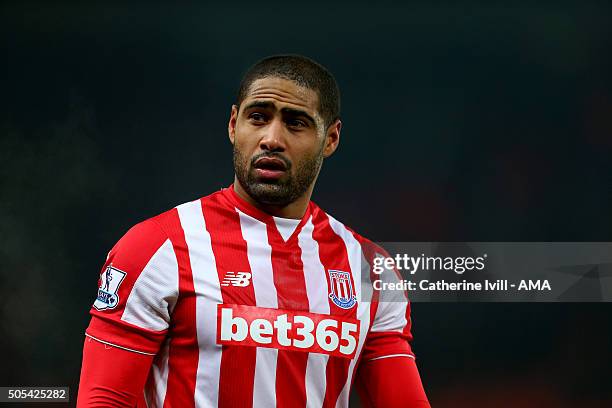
[280, 192]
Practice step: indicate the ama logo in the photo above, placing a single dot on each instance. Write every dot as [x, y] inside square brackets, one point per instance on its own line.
[110, 280]
[341, 287]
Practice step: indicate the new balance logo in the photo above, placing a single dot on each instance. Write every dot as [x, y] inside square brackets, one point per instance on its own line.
[240, 279]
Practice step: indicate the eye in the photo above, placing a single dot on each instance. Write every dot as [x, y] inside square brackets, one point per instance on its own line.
[257, 117]
[296, 123]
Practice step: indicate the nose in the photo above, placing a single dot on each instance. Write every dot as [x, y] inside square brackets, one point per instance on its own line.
[273, 139]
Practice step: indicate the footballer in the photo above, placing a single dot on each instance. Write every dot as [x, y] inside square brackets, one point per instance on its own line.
[252, 296]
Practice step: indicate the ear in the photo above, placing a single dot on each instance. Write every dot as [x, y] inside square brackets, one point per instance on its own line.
[231, 126]
[332, 138]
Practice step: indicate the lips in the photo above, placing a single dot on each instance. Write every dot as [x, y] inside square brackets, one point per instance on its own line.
[270, 167]
[270, 163]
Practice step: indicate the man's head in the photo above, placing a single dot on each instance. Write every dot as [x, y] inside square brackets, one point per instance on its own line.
[285, 122]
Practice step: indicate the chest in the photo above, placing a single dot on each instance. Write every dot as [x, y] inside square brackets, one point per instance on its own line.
[283, 297]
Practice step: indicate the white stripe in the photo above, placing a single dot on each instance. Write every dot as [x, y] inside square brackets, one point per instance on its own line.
[391, 312]
[286, 226]
[157, 383]
[155, 291]
[259, 253]
[316, 379]
[318, 302]
[121, 347]
[358, 269]
[391, 355]
[208, 295]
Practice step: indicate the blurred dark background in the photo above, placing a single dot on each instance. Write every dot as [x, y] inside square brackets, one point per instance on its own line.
[471, 122]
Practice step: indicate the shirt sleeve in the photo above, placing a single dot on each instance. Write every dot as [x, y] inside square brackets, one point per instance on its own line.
[387, 374]
[112, 377]
[390, 383]
[390, 333]
[137, 291]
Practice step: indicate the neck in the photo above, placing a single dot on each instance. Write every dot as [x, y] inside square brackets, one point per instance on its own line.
[295, 209]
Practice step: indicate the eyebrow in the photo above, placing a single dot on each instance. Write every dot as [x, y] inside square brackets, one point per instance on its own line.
[290, 111]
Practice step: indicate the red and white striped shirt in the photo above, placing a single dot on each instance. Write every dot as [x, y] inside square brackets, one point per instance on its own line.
[241, 308]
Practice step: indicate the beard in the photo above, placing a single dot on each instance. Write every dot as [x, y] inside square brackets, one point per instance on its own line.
[283, 191]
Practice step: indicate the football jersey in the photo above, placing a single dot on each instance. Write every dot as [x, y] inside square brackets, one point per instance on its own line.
[244, 309]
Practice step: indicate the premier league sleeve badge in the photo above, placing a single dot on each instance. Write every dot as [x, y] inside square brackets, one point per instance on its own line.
[110, 280]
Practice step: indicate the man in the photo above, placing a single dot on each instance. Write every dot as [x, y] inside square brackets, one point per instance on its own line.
[252, 296]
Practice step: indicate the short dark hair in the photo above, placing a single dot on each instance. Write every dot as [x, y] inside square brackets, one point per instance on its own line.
[305, 72]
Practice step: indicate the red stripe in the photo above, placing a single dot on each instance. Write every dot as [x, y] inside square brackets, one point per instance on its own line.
[290, 286]
[184, 349]
[334, 255]
[237, 372]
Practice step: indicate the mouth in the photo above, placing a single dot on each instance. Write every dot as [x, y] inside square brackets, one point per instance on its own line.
[270, 168]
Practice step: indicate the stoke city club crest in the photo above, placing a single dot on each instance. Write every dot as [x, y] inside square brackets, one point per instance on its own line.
[341, 288]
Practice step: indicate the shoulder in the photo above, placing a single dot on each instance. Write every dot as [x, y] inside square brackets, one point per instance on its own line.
[138, 245]
[166, 225]
[145, 238]
[368, 247]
